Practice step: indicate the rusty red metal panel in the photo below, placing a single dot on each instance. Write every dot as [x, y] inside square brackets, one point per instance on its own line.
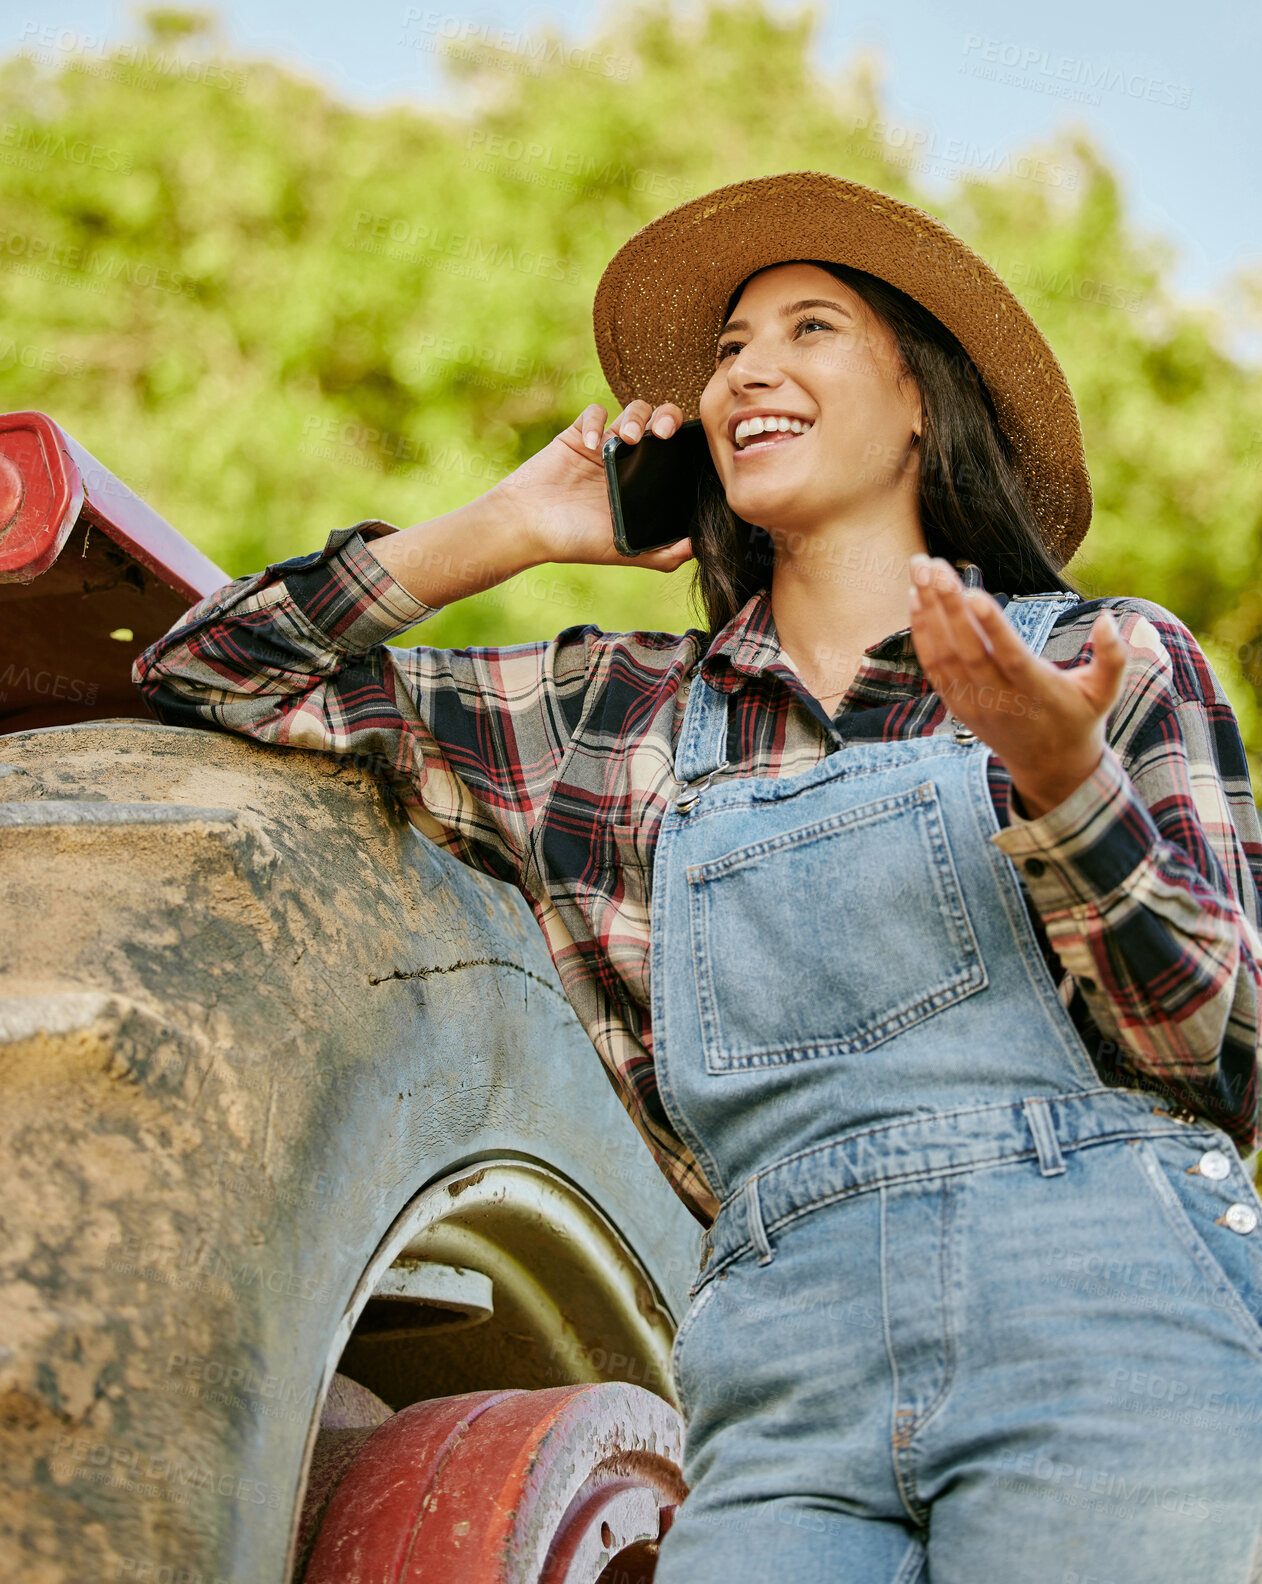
[537, 1487]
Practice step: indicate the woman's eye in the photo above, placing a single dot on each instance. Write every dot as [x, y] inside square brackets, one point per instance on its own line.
[731, 346]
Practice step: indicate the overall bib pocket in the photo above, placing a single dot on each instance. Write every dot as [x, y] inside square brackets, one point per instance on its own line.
[771, 922]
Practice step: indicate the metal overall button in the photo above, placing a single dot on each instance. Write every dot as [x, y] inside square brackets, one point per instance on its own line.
[1213, 1164]
[1240, 1218]
[687, 799]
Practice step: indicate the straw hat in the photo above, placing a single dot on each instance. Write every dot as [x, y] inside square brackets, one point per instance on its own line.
[660, 302]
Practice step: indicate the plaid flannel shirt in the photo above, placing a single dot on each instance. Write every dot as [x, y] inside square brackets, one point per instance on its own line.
[550, 764]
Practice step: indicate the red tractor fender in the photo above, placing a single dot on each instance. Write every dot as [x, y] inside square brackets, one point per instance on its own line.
[90, 575]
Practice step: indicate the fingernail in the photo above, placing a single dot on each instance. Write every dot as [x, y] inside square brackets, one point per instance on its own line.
[591, 439]
[631, 431]
[661, 426]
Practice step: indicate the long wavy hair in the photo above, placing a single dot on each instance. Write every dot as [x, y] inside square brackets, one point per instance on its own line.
[971, 499]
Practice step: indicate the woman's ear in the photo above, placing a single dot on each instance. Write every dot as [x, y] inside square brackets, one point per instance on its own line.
[909, 390]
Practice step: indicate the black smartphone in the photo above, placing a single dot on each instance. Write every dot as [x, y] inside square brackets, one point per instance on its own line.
[653, 486]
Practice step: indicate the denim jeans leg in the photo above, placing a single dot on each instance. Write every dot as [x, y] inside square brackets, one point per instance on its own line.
[1105, 1421]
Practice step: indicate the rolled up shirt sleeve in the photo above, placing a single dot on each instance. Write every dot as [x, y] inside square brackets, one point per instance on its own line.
[1148, 880]
[298, 655]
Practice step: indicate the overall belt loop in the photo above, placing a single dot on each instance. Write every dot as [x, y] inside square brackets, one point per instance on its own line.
[757, 1231]
[1039, 1118]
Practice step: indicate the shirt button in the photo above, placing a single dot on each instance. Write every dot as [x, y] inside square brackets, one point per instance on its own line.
[1240, 1218]
[1215, 1165]
[1034, 866]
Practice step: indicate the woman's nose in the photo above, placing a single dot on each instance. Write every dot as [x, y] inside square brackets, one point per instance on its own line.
[753, 368]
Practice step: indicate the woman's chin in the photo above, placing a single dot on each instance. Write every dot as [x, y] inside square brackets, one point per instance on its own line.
[767, 506]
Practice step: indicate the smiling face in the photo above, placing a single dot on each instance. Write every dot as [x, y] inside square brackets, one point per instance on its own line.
[801, 345]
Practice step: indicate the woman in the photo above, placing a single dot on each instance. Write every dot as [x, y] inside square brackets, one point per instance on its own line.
[915, 923]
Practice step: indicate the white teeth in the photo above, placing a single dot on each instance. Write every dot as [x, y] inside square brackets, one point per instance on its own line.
[749, 427]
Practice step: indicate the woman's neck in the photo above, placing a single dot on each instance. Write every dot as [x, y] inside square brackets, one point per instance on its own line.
[835, 598]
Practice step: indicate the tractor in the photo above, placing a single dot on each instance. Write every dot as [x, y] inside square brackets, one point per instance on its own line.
[329, 1252]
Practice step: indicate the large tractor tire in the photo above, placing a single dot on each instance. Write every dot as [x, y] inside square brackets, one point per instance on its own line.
[284, 1090]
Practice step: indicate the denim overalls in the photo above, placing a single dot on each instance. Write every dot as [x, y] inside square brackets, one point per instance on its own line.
[967, 1314]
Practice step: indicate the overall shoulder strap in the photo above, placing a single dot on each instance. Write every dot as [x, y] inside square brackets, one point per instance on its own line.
[1034, 615]
[702, 744]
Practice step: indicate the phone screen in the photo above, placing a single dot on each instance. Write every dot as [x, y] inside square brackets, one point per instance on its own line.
[653, 486]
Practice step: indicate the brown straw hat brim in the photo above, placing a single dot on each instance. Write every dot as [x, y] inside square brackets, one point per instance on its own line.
[659, 306]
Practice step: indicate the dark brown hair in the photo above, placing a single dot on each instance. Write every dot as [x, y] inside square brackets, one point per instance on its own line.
[971, 499]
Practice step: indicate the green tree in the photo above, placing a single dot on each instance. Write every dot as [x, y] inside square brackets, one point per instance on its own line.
[273, 314]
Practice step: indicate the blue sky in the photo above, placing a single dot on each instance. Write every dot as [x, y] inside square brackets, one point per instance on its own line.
[1170, 92]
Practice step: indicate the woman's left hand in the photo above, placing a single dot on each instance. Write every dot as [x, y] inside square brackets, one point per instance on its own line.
[1047, 725]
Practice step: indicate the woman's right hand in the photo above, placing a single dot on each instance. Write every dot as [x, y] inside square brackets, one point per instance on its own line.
[561, 493]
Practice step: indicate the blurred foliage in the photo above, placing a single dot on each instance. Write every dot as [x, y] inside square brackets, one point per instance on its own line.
[273, 314]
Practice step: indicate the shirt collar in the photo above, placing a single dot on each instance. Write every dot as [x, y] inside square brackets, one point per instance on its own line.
[749, 644]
